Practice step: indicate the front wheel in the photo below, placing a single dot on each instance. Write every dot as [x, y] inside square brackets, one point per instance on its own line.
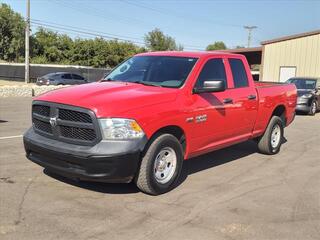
[160, 166]
[271, 140]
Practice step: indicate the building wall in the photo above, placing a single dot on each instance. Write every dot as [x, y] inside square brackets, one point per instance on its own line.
[302, 53]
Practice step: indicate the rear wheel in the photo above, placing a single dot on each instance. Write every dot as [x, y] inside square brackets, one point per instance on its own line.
[160, 166]
[313, 108]
[271, 140]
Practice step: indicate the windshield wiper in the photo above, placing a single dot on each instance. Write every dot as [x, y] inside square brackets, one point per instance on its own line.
[147, 83]
[107, 80]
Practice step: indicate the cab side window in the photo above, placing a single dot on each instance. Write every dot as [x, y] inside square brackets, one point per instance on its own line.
[240, 78]
[77, 77]
[212, 70]
[66, 76]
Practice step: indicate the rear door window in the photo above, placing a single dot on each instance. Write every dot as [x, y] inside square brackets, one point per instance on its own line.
[239, 73]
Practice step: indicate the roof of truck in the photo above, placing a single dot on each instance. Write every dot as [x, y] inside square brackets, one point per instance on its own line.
[186, 54]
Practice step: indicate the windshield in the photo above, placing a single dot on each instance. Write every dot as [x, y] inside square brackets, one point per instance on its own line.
[164, 71]
[49, 75]
[303, 83]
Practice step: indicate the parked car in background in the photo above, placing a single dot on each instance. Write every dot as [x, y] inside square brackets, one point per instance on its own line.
[308, 94]
[255, 75]
[61, 78]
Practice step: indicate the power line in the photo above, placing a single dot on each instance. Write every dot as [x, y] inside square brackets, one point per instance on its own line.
[88, 10]
[170, 13]
[97, 13]
[100, 14]
[98, 33]
[87, 29]
[84, 32]
[145, 7]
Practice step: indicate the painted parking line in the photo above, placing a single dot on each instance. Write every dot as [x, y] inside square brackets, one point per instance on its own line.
[9, 137]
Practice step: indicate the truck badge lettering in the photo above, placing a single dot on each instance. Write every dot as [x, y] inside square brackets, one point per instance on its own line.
[201, 118]
[189, 119]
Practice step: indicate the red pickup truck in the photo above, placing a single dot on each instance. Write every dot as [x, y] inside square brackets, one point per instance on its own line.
[151, 113]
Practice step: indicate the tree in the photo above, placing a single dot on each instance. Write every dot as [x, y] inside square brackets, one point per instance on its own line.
[216, 46]
[51, 46]
[11, 34]
[48, 46]
[156, 40]
[99, 52]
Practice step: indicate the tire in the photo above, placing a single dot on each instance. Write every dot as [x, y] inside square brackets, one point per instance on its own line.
[154, 176]
[313, 108]
[271, 140]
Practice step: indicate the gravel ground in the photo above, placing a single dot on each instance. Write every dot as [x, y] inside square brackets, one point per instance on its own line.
[21, 89]
[234, 193]
[14, 83]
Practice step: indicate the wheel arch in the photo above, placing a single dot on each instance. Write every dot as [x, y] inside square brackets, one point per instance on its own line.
[280, 111]
[174, 130]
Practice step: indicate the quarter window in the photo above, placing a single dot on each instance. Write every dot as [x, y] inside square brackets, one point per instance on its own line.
[212, 70]
[239, 73]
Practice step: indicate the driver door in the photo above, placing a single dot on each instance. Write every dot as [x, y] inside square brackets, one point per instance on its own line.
[211, 111]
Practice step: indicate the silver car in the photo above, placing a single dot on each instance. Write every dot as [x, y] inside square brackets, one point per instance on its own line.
[61, 78]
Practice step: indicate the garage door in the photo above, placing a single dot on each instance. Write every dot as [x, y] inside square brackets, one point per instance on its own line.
[286, 73]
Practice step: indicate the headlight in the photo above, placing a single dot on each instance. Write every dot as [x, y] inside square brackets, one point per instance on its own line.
[308, 95]
[120, 129]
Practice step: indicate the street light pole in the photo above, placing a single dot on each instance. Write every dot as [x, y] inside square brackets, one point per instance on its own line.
[27, 43]
[249, 28]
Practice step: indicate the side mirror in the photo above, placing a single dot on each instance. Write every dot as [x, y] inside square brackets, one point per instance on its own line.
[211, 86]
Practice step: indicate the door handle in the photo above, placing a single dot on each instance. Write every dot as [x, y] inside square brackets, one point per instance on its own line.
[227, 100]
[252, 97]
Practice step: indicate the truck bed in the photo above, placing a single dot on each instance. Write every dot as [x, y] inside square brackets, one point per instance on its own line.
[268, 84]
[271, 94]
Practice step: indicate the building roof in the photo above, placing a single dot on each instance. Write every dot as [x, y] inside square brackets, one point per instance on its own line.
[253, 54]
[300, 35]
[244, 50]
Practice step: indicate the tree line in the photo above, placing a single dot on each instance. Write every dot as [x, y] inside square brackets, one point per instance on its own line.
[47, 46]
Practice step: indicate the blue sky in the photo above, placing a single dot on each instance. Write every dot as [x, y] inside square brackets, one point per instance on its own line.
[193, 23]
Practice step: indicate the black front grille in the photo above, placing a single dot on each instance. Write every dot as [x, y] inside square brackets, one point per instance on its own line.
[41, 110]
[78, 133]
[65, 123]
[42, 126]
[74, 116]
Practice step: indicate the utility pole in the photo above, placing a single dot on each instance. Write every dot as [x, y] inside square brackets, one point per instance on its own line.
[27, 63]
[249, 28]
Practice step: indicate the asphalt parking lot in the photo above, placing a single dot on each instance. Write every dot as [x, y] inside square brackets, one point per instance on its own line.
[234, 193]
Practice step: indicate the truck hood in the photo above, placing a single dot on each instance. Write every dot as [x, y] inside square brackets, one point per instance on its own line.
[110, 99]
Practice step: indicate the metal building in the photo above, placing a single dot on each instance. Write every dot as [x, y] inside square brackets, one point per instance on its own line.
[292, 56]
